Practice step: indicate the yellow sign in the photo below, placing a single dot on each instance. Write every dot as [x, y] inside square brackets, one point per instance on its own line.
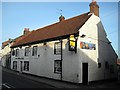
[72, 41]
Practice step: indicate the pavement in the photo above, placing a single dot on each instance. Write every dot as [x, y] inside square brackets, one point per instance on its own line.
[62, 84]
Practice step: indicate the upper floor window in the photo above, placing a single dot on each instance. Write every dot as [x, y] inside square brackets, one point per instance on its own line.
[17, 52]
[13, 52]
[57, 48]
[27, 51]
[34, 51]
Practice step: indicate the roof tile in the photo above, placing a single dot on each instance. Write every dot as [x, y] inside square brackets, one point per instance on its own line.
[66, 27]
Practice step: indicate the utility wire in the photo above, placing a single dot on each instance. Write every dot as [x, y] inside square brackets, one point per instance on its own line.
[99, 40]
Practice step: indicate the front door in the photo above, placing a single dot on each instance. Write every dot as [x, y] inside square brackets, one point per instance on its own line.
[85, 73]
[21, 66]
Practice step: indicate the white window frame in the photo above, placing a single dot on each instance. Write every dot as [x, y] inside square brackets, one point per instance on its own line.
[17, 52]
[34, 51]
[12, 52]
[26, 66]
[57, 66]
[57, 48]
[27, 51]
[14, 65]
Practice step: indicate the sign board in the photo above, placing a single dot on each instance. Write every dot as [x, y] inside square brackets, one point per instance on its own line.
[85, 45]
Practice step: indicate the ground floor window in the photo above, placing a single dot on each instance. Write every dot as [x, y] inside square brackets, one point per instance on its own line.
[15, 65]
[106, 65]
[26, 65]
[111, 69]
[57, 66]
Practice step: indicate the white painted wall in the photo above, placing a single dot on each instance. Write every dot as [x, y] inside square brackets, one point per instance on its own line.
[106, 52]
[90, 30]
[96, 34]
[43, 65]
[5, 52]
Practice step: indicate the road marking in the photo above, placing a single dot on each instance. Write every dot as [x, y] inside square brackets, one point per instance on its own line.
[7, 85]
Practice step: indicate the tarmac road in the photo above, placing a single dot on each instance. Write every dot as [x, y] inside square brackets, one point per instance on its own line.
[12, 80]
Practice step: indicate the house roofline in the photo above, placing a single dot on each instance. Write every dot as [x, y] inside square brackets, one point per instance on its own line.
[47, 40]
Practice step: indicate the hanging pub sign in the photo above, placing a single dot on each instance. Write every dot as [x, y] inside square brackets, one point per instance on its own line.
[85, 45]
[72, 43]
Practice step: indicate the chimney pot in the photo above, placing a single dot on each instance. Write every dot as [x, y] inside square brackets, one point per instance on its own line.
[26, 31]
[94, 8]
[61, 18]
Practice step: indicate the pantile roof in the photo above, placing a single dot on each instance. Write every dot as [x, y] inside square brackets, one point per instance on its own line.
[5, 43]
[62, 28]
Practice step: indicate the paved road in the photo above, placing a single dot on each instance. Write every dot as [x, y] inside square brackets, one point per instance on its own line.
[14, 80]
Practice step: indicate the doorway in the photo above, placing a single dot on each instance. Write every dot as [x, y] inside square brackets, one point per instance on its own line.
[85, 73]
[21, 66]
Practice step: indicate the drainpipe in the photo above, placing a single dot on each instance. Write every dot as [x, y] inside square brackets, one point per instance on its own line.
[61, 58]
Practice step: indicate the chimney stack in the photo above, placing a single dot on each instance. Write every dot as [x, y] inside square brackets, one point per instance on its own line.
[94, 8]
[26, 31]
[61, 18]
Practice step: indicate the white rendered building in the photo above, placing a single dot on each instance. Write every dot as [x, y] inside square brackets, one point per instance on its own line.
[74, 50]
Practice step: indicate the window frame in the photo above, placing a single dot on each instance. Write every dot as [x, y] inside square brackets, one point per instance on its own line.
[58, 68]
[57, 48]
[17, 52]
[34, 53]
[26, 66]
[14, 65]
[13, 52]
[27, 51]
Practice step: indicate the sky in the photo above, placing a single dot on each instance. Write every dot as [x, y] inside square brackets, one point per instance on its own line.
[19, 15]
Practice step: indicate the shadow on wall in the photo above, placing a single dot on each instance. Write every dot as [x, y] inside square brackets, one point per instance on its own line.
[73, 65]
[107, 55]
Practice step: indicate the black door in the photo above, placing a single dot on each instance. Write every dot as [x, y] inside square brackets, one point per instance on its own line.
[21, 68]
[85, 73]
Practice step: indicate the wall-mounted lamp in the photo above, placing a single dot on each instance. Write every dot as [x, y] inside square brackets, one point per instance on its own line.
[83, 35]
[29, 45]
[45, 43]
[76, 38]
[20, 47]
[109, 42]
